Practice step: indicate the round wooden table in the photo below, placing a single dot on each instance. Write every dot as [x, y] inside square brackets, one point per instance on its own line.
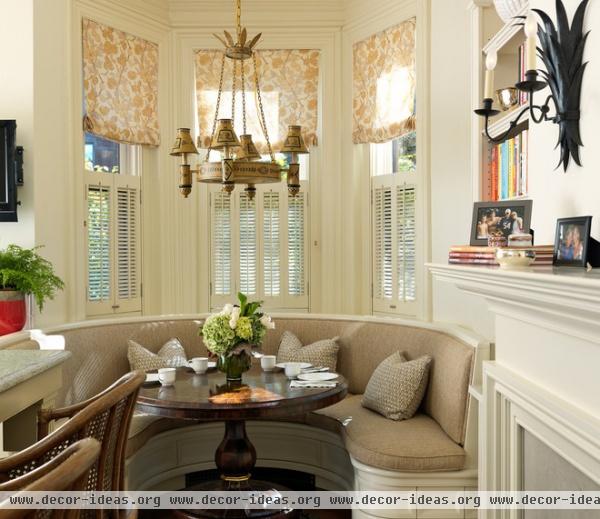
[260, 396]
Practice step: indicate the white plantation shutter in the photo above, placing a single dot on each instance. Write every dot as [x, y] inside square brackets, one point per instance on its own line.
[383, 233]
[296, 244]
[113, 244]
[248, 244]
[99, 244]
[221, 204]
[128, 272]
[271, 244]
[406, 242]
[394, 245]
[260, 247]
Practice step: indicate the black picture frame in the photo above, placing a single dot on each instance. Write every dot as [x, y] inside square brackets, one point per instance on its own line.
[523, 209]
[573, 258]
[8, 171]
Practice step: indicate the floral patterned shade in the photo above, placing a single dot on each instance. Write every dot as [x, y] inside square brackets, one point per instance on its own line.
[384, 84]
[289, 83]
[120, 84]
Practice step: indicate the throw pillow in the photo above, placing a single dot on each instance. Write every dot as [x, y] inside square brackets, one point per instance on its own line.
[320, 353]
[397, 386]
[171, 355]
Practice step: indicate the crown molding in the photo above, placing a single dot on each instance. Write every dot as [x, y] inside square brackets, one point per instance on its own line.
[154, 11]
[258, 13]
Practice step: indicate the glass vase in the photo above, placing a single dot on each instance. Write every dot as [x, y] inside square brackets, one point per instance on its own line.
[234, 365]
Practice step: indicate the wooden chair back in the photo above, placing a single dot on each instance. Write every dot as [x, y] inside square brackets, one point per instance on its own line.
[106, 418]
[68, 471]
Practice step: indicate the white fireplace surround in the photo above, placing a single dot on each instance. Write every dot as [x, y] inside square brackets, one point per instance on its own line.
[545, 378]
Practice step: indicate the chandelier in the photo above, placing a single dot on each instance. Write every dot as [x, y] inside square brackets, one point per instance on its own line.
[240, 160]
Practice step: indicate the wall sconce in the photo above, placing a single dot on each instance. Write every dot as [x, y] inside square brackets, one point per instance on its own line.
[561, 51]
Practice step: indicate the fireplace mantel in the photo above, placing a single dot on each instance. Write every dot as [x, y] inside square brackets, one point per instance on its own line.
[565, 300]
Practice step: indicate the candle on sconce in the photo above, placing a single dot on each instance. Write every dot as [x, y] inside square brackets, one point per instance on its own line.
[490, 62]
[531, 33]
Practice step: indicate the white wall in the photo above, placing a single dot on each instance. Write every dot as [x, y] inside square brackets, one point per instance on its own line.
[16, 102]
[451, 177]
[557, 194]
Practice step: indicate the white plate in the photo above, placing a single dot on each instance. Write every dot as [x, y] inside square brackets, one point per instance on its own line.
[312, 377]
[303, 365]
[152, 377]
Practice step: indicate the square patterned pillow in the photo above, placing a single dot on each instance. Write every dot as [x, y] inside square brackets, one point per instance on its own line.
[397, 386]
[171, 355]
[320, 353]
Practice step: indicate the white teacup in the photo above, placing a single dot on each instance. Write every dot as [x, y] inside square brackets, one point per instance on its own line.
[267, 362]
[199, 365]
[166, 376]
[292, 369]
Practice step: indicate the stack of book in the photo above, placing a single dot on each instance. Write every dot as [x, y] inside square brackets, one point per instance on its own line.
[469, 255]
[507, 177]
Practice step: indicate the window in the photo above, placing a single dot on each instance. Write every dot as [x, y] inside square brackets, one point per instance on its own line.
[394, 216]
[259, 246]
[112, 227]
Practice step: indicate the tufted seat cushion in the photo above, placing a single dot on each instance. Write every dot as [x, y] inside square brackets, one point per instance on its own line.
[415, 445]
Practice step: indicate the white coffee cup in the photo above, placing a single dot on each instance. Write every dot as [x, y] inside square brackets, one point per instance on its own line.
[199, 365]
[166, 376]
[292, 369]
[267, 362]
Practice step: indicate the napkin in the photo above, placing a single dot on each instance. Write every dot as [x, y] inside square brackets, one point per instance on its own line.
[303, 384]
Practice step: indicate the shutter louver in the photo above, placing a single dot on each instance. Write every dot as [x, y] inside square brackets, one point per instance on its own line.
[221, 242]
[406, 242]
[127, 254]
[99, 243]
[295, 252]
[383, 256]
[271, 245]
[248, 242]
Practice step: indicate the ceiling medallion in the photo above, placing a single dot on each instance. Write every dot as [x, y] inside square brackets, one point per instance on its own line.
[240, 160]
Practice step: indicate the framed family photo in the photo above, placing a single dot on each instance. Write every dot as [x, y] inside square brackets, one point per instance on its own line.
[571, 244]
[494, 218]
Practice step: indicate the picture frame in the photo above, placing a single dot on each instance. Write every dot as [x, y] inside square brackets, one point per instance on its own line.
[572, 241]
[492, 217]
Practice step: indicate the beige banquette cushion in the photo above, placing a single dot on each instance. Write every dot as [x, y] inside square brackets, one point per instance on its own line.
[100, 357]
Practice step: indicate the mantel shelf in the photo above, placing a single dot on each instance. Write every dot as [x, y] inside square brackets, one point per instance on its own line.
[564, 299]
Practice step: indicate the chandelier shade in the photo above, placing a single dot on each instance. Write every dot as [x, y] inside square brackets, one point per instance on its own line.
[224, 136]
[247, 149]
[183, 143]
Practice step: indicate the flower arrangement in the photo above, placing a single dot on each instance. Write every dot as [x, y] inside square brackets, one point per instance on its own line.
[231, 334]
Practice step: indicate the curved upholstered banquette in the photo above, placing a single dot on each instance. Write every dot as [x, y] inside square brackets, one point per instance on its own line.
[344, 446]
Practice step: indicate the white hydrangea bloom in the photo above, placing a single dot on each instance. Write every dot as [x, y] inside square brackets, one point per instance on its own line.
[235, 315]
[266, 321]
[227, 309]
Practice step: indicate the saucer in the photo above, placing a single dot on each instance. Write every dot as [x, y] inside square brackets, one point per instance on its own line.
[314, 377]
[303, 365]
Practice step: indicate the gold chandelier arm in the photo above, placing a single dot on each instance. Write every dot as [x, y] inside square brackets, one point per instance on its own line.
[214, 126]
[262, 120]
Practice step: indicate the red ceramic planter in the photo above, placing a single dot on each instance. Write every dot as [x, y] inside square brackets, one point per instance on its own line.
[13, 311]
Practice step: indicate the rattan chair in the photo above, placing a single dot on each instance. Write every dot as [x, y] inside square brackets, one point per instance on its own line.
[68, 471]
[105, 417]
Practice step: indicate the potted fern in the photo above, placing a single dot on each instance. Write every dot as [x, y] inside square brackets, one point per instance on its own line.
[23, 272]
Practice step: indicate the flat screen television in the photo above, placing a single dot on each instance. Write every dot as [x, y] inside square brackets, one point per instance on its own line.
[8, 171]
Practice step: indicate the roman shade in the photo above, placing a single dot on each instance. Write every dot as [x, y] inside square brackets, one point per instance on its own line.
[120, 85]
[384, 81]
[289, 83]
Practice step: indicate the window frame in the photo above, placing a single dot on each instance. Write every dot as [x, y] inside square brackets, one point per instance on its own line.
[129, 176]
[382, 176]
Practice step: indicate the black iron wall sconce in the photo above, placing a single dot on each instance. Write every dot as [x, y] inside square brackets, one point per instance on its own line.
[561, 51]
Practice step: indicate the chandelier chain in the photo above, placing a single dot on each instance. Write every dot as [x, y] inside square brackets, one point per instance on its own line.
[239, 18]
[262, 119]
[233, 92]
[243, 96]
[214, 126]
